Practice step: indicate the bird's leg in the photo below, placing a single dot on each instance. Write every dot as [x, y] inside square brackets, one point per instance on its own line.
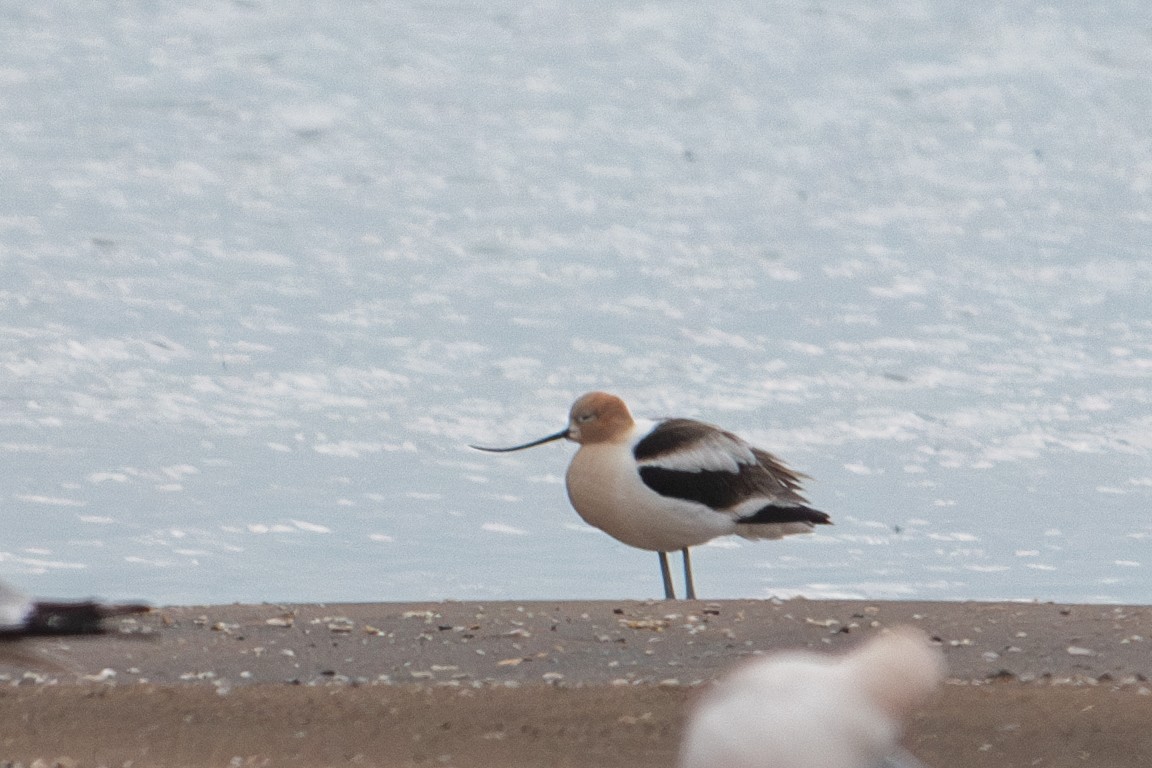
[669, 592]
[689, 586]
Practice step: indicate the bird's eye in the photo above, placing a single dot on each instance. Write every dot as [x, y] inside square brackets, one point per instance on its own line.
[585, 417]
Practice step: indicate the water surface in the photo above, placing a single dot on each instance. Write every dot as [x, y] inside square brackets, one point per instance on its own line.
[267, 268]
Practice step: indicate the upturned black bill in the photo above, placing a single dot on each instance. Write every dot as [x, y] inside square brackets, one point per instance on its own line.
[558, 436]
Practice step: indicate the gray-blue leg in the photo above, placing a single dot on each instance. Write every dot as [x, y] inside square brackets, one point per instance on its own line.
[689, 585]
[669, 592]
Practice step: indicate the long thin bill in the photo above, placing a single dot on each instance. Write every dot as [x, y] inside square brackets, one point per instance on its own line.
[558, 436]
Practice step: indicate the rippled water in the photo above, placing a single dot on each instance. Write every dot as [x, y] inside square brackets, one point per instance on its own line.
[266, 268]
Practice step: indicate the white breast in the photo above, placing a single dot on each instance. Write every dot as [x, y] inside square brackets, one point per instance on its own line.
[605, 488]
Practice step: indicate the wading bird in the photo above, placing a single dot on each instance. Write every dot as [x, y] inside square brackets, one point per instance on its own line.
[672, 484]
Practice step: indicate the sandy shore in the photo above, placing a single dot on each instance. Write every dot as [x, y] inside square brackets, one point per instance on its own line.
[553, 683]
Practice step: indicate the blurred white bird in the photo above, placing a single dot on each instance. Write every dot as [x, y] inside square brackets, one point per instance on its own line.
[797, 709]
[22, 618]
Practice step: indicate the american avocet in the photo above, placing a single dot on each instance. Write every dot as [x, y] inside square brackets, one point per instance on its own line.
[672, 484]
[797, 709]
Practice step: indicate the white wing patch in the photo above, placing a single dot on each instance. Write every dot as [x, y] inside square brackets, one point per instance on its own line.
[753, 504]
[706, 449]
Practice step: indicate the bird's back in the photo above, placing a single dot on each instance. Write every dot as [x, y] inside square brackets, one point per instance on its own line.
[701, 463]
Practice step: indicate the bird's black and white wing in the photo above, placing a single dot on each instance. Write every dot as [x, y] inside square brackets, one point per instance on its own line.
[694, 461]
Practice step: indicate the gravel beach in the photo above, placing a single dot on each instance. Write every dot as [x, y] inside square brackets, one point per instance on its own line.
[551, 683]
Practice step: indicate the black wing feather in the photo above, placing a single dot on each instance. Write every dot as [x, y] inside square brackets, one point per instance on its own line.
[787, 513]
[715, 489]
[767, 477]
[669, 436]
